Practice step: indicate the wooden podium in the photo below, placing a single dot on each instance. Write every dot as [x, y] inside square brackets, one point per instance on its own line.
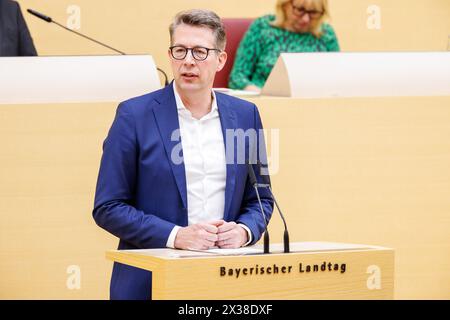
[313, 270]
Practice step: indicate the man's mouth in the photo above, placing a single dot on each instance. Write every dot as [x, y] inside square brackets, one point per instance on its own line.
[189, 75]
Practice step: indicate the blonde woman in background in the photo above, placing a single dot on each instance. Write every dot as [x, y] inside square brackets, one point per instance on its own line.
[297, 26]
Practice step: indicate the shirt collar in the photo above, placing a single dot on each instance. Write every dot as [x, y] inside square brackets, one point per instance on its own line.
[181, 106]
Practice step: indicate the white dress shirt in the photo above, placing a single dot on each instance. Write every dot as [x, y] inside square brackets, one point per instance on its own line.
[205, 165]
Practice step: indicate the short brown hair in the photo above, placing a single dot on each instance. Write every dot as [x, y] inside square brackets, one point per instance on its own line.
[201, 18]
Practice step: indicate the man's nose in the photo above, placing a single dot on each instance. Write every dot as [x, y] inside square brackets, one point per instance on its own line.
[189, 59]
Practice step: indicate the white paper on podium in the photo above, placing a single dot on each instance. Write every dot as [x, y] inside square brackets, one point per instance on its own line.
[277, 248]
[237, 93]
[311, 246]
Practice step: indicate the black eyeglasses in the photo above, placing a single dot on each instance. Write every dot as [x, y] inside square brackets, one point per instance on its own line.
[300, 11]
[198, 53]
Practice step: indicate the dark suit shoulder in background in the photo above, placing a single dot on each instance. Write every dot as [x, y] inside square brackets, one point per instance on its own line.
[15, 38]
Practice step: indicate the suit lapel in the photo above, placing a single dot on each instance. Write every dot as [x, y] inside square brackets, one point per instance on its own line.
[166, 116]
[228, 122]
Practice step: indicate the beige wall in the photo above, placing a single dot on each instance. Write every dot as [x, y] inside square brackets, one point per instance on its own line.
[140, 26]
[372, 171]
[49, 163]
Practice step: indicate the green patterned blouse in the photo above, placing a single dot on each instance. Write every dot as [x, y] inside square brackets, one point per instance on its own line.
[262, 44]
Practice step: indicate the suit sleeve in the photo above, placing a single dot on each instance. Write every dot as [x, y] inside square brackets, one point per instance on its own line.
[26, 45]
[114, 197]
[250, 213]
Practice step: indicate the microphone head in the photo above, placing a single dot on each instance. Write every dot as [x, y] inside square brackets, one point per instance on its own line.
[251, 173]
[264, 173]
[39, 15]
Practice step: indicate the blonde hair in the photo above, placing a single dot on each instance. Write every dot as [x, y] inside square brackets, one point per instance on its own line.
[321, 5]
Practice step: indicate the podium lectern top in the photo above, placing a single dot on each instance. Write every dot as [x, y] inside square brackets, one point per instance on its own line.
[313, 270]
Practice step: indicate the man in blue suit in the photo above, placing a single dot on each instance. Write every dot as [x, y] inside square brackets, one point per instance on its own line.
[173, 171]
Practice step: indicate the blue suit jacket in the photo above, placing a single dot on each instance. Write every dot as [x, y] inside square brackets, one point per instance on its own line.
[141, 193]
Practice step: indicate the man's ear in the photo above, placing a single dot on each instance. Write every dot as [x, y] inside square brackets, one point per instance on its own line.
[222, 60]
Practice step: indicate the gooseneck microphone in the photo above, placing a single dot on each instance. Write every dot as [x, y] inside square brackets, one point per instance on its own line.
[50, 20]
[254, 183]
[266, 184]
[40, 15]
